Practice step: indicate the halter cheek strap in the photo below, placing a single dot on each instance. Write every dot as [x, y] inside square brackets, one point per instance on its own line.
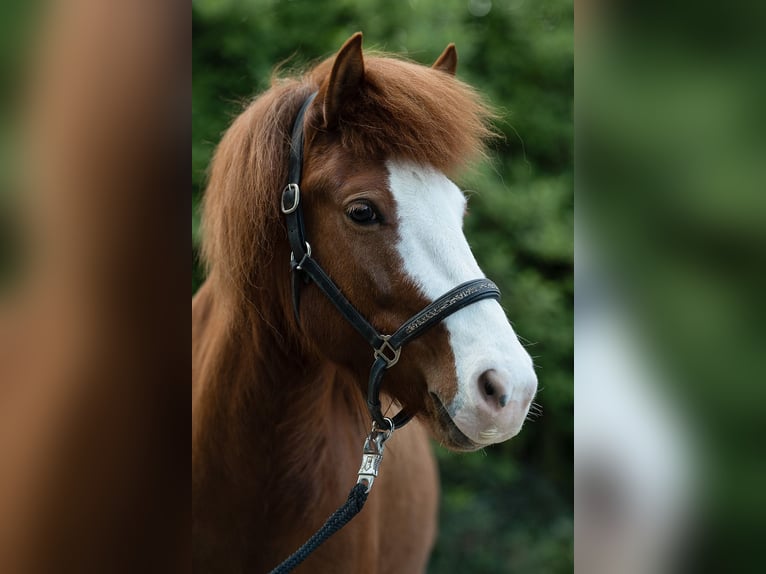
[386, 348]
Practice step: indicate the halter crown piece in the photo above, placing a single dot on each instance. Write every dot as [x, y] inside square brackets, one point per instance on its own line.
[386, 348]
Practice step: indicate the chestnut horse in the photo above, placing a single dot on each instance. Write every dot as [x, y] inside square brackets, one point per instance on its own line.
[278, 408]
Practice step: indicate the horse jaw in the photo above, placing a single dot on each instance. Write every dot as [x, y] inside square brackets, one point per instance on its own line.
[436, 257]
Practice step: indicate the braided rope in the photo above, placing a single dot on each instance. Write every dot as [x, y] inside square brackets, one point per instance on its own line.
[353, 505]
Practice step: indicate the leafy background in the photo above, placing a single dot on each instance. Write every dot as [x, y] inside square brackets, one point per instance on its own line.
[507, 508]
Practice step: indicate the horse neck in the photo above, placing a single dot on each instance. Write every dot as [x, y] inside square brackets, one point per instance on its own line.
[266, 407]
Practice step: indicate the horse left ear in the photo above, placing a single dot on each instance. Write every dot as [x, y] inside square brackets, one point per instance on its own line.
[344, 81]
[447, 62]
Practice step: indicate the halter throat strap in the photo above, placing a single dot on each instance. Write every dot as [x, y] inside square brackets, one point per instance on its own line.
[305, 269]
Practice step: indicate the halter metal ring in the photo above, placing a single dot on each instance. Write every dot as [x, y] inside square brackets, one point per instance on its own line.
[307, 254]
[387, 352]
[389, 431]
[391, 426]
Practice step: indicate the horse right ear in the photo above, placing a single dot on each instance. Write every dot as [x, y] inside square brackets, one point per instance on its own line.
[344, 81]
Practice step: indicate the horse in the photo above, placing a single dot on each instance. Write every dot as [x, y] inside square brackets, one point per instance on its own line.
[278, 390]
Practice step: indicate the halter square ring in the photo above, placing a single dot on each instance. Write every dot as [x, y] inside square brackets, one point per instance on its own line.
[387, 352]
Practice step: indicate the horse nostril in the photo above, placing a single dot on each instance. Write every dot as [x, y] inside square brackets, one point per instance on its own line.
[495, 391]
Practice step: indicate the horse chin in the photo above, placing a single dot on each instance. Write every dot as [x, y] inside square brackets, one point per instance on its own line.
[445, 430]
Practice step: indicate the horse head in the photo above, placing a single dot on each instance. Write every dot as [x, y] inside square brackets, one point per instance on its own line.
[385, 222]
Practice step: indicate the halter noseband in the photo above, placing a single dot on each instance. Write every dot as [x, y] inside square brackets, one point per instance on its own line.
[386, 348]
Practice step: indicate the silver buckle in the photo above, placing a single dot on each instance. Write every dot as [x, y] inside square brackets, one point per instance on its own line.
[387, 352]
[296, 198]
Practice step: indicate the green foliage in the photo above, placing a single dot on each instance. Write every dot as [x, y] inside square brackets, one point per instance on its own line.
[509, 508]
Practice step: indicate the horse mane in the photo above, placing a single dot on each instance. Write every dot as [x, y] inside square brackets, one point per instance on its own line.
[403, 111]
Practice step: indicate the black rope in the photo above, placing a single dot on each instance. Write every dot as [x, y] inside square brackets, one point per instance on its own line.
[338, 520]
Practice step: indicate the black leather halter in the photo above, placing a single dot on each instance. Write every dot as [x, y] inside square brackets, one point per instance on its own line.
[386, 348]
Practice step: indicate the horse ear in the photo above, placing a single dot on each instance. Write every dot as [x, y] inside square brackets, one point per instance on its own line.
[344, 81]
[447, 62]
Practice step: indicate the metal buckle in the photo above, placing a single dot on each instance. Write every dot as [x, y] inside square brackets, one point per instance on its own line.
[296, 198]
[393, 354]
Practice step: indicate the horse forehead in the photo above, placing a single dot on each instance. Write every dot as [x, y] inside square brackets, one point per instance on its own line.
[426, 194]
[342, 172]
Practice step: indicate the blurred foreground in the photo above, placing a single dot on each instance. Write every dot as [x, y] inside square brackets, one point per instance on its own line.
[93, 339]
[670, 252]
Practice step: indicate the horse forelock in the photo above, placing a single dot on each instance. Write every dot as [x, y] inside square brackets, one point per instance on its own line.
[410, 112]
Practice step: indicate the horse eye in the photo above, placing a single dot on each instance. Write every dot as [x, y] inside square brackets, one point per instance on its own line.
[363, 213]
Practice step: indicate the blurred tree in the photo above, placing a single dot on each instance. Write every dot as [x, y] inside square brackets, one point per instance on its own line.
[508, 508]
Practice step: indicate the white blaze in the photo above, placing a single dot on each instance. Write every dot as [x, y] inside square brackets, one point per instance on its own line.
[437, 257]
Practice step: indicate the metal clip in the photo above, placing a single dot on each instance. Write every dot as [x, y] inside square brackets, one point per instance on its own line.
[372, 454]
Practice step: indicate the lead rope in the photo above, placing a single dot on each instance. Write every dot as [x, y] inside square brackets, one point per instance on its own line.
[371, 456]
[338, 520]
